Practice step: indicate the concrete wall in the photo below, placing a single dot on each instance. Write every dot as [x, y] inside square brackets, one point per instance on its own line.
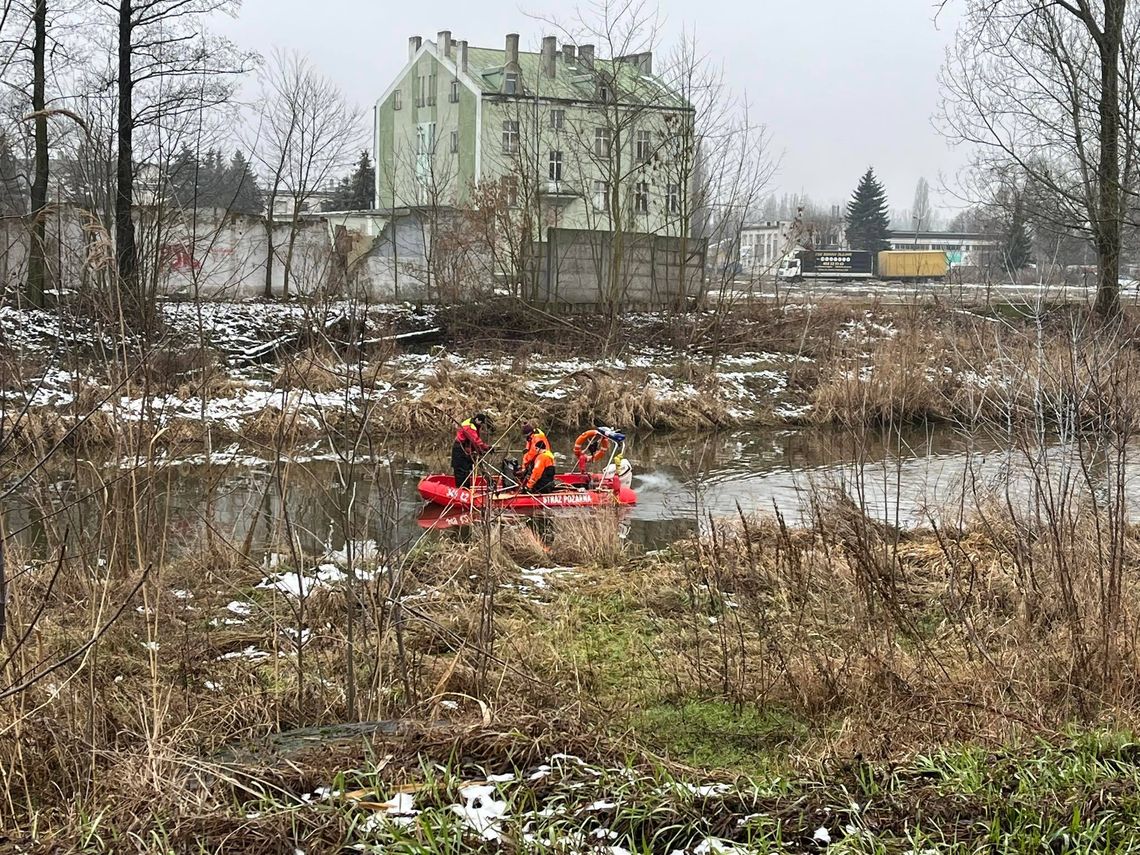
[223, 257]
[575, 264]
[378, 257]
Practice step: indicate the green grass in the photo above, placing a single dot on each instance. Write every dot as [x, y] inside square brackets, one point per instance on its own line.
[1077, 796]
[714, 734]
[612, 644]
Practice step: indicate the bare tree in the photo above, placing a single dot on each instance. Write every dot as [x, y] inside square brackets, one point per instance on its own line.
[1037, 86]
[36, 267]
[165, 65]
[25, 34]
[920, 210]
[716, 160]
[305, 133]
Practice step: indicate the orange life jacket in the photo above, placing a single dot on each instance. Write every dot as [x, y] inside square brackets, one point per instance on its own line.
[534, 444]
[542, 462]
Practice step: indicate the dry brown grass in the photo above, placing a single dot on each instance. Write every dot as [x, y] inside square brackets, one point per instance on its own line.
[316, 369]
[273, 427]
[976, 370]
[905, 378]
[600, 396]
[882, 642]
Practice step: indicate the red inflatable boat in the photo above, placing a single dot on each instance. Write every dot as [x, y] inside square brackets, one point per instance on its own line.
[572, 491]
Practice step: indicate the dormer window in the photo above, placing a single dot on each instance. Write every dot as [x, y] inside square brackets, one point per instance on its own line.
[605, 93]
[511, 83]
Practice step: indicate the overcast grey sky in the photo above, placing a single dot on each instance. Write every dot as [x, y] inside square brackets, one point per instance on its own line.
[841, 84]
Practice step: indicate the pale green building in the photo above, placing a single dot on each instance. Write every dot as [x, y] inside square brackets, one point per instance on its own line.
[578, 141]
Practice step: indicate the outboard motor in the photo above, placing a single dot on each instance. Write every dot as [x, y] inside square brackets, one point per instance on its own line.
[510, 470]
[622, 469]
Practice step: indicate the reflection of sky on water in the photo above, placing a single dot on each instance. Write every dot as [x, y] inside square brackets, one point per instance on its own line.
[679, 481]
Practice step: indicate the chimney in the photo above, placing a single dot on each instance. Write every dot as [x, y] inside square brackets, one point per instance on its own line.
[586, 55]
[549, 49]
[443, 42]
[414, 46]
[643, 62]
[512, 51]
[463, 56]
[568, 54]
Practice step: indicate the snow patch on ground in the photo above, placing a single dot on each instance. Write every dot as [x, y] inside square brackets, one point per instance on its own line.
[747, 382]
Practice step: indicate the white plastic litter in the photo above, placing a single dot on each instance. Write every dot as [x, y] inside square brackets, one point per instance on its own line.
[481, 811]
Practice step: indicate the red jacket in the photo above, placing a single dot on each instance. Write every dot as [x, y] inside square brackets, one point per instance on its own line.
[468, 437]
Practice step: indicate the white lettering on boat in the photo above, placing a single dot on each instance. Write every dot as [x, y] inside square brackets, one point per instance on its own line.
[462, 496]
[568, 499]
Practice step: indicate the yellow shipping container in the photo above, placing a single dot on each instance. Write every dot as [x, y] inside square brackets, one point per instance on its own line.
[912, 264]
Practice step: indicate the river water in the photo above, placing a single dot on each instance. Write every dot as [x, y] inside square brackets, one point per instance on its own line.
[681, 482]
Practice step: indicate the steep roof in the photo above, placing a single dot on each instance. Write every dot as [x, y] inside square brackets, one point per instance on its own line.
[573, 82]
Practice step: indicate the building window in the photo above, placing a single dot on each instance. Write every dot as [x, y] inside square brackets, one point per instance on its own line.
[397, 100]
[455, 142]
[510, 185]
[602, 141]
[673, 198]
[511, 83]
[510, 137]
[425, 138]
[641, 197]
[555, 172]
[421, 82]
[605, 93]
[557, 118]
[454, 95]
[642, 146]
[431, 89]
[601, 195]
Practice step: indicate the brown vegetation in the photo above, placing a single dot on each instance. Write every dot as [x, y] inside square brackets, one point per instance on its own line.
[875, 640]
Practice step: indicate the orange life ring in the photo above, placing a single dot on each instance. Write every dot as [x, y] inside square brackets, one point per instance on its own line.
[586, 438]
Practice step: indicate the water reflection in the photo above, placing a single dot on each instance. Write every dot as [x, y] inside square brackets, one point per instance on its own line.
[680, 482]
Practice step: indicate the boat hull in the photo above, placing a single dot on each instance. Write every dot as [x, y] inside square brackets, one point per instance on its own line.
[573, 493]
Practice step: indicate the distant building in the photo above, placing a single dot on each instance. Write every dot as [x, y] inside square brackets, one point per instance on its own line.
[963, 249]
[550, 128]
[285, 205]
[764, 245]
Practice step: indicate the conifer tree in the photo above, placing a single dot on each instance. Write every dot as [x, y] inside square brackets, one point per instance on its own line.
[354, 192]
[241, 187]
[1017, 251]
[868, 223]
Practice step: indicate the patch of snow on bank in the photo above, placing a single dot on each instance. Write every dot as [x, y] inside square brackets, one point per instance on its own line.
[298, 584]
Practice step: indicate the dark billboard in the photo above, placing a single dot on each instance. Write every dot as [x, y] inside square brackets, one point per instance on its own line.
[837, 261]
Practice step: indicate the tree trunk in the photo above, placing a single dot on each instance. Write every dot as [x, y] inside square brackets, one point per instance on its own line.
[1107, 228]
[37, 268]
[126, 251]
[267, 291]
[294, 228]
